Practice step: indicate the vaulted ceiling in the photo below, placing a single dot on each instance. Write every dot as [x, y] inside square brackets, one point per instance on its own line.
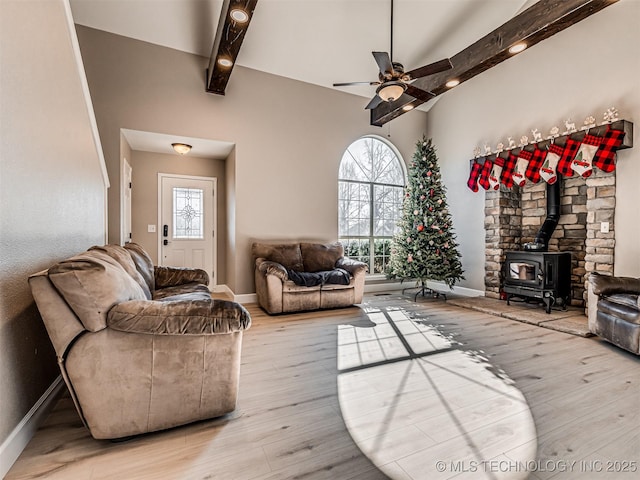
[327, 41]
[314, 41]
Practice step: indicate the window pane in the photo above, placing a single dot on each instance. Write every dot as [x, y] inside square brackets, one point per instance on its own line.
[354, 209]
[381, 256]
[387, 203]
[188, 213]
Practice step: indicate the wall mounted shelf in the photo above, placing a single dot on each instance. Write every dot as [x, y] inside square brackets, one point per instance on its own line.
[598, 130]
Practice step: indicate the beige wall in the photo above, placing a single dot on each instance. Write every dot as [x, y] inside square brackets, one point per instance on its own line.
[144, 198]
[289, 136]
[52, 194]
[581, 71]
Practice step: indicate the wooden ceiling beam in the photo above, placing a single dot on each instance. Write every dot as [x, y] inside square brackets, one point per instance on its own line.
[540, 21]
[226, 45]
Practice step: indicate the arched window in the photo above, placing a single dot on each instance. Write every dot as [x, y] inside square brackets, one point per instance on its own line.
[370, 192]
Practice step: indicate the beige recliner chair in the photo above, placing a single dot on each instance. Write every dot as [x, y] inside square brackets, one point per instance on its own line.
[141, 348]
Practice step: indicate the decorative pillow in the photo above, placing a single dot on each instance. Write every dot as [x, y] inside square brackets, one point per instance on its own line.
[317, 257]
[286, 254]
[122, 256]
[92, 283]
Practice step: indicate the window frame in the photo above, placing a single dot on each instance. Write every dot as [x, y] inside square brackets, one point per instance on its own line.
[372, 237]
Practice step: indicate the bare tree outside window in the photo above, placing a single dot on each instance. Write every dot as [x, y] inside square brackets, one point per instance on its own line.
[370, 193]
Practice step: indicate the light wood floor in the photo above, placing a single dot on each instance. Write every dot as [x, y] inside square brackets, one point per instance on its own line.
[583, 395]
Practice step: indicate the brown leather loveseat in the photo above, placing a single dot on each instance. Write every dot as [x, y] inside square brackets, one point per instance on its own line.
[614, 310]
[141, 348]
[324, 277]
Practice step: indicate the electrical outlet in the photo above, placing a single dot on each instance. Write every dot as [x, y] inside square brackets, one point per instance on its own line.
[151, 228]
[604, 227]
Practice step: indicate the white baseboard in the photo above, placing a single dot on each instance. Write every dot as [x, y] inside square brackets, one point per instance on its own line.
[246, 298]
[18, 439]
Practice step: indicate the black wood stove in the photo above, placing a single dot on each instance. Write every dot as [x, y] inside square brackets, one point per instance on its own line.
[536, 273]
[542, 275]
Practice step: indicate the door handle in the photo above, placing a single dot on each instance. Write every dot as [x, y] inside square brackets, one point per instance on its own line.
[165, 242]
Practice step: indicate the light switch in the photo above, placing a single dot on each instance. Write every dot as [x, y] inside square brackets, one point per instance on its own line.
[604, 227]
[151, 228]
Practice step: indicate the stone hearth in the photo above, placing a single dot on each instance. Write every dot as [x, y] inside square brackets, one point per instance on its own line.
[514, 216]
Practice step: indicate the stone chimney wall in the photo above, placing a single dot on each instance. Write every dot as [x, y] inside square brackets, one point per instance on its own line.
[514, 216]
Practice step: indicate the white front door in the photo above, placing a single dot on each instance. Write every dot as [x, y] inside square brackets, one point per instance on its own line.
[187, 222]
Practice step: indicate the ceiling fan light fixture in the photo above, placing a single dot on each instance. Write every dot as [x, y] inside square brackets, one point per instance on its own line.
[391, 91]
[452, 83]
[239, 15]
[181, 148]
[224, 62]
[517, 48]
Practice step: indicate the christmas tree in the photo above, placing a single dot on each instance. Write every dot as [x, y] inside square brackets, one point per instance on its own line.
[425, 247]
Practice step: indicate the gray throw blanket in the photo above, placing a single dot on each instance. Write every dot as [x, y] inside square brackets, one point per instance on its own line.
[337, 276]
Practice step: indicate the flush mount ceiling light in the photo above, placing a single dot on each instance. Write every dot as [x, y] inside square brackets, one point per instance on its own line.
[225, 62]
[407, 107]
[239, 15]
[452, 83]
[181, 148]
[391, 91]
[517, 48]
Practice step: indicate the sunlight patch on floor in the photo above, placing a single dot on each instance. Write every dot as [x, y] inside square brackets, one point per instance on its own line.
[421, 408]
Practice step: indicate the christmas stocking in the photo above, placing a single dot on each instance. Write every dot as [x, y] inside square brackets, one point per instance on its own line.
[472, 183]
[521, 168]
[605, 157]
[533, 169]
[548, 170]
[484, 175]
[582, 164]
[568, 154]
[496, 172]
[507, 170]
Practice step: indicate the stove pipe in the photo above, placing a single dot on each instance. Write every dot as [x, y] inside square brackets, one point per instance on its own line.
[541, 242]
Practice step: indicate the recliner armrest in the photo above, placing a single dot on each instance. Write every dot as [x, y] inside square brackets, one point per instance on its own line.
[608, 285]
[188, 317]
[267, 267]
[172, 276]
[352, 266]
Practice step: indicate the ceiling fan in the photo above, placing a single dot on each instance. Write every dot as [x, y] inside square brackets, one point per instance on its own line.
[393, 81]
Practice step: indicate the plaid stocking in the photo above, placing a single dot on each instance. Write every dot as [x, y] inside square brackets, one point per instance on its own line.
[484, 175]
[521, 168]
[548, 169]
[472, 183]
[582, 163]
[533, 169]
[605, 158]
[568, 154]
[496, 172]
[507, 170]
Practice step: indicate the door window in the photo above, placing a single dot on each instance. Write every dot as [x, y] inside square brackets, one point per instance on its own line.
[188, 213]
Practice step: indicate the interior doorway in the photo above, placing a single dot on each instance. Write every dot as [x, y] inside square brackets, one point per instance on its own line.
[187, 217]
[125, 230]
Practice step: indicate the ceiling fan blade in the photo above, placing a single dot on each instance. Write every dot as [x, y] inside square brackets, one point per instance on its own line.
[418, 93]
[430, 69]
[384, 62]
[346, 84]
[375, 101]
